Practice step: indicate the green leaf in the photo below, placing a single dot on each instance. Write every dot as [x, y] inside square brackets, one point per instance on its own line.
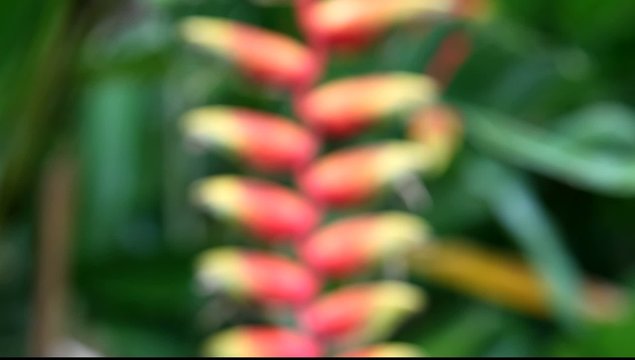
[517, 208]
[551, 154]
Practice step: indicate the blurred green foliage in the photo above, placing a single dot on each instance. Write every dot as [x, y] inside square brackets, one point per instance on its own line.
[547, 170]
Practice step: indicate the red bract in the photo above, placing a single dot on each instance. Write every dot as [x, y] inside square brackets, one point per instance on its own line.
[261, 341]
[343, 108]
[349, 246]
[264, 141]
[271, 212]
[353, 176]
[400, 350]
[351, 24]
[264, 55]
[363, 312]
[266, 278]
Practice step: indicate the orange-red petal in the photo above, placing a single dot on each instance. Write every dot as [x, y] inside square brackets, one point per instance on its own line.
[267, 142]
[350, 24]
[351, 245]
[264, 55]
[266, 278]
[344, 107]
[362, 312]
[353, 176]
[261, 341]
[269, 211]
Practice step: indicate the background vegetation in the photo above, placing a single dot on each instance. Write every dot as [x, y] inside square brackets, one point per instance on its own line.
[94, 174]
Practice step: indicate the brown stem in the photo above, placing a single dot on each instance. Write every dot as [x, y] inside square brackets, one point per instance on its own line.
[55, 224]
[449, 58]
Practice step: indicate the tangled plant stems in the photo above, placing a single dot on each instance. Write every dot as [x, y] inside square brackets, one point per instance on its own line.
[353, 319]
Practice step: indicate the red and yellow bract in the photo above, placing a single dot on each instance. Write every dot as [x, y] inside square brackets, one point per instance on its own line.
[267, 210]
[261, 341]
[266, 56]
[256, 275]
[350, 24]
[353, 176]
[264, 141]
[349, 246]
[344, 107]
[362, 312]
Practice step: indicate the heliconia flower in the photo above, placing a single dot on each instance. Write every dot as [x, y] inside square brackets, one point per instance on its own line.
[349, 246]
[440, 129]
[261, 341]
[345, 107]
[264, 55]
[362, 312]
[350, 24]
[353, 176]
[393, 349]
[266, 278]
[269, 211]
[264, 141]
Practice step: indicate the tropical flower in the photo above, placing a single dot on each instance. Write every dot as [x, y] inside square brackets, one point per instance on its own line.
[266, 56]
[351, 245]
[261, 341]
[355, 175]
[362, 312]
[264, 141]
[345, 107]
[264, 277]
[249, 201]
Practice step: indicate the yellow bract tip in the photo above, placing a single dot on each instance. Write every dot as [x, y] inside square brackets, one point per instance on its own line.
[221, 267]
[219, 194]
[392, 302]
[398, 231]
[398, 158]
[212, 125]
[230, 343]
[210, 33]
